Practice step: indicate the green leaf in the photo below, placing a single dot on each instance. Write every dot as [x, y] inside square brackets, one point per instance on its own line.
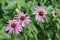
[30, 31]
[7, 17]
[58, 36]
[10, 1]
[10, 6]
[2, 2]
[20, 3]
[58, 26]
[3, 35]
[1, 23]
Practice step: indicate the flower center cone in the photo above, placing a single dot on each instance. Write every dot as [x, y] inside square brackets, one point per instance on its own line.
[22, 18]
[41, 13]
[13, 25]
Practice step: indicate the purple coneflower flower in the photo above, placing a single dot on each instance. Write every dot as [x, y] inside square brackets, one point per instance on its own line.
[13, 25]
[40, 14]
[54, 14]
[23, 18]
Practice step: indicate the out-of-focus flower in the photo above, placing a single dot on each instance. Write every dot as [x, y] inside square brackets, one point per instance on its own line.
[54, 13]
[23, 18]
[17, 10]
[40, 13]
[13, 25]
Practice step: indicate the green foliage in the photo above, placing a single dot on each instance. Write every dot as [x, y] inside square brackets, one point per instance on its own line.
[48, 30]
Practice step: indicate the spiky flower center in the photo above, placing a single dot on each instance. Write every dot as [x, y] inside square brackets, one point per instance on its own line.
[22, 18]
[41, 13]
[55, 13]
[13, 25]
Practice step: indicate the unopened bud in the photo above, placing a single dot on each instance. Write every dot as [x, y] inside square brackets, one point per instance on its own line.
[17, 10]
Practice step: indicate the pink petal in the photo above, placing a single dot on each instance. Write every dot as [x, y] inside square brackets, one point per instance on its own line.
[17, 32]
[23, 23]
[11, 31]
[7, 28]
[27, 21]
[19, 28]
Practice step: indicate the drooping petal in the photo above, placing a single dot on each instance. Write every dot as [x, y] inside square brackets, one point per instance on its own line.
[11, 31]
[17, 32]
[23, 24]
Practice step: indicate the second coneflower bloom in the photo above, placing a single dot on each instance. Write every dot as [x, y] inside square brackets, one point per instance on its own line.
[13, 25]
[23, 18]
[40, 14]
